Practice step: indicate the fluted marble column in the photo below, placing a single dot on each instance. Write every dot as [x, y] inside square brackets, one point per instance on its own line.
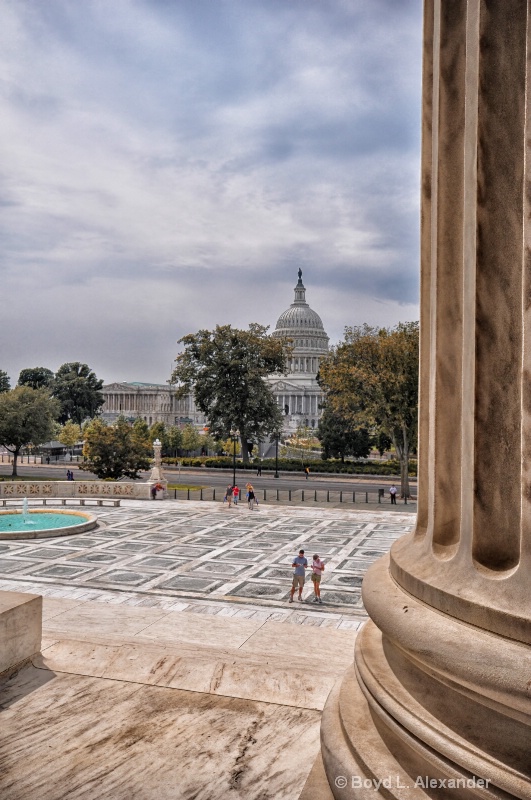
[438, 703]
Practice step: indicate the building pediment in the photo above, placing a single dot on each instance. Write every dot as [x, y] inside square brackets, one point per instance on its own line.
[284, 386]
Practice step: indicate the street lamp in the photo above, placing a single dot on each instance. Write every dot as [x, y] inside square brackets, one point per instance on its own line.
[234, 436]
[276, 457]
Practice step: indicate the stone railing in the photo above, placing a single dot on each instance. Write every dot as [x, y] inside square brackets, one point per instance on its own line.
[133, 491]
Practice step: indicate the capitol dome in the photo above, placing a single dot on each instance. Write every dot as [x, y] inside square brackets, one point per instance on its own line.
[302, 325]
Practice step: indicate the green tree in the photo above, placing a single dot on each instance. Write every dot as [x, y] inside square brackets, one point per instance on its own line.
[372, 378]
[26, 418]
[4, 382]
[70, 434]
[225, 369]
[159, 431]
[36, 377]
[207, 442]
[191, 438]
[79, 392]
[175, 439]
[115, 451]
[341, 436]
[382, 442]
[141, 427]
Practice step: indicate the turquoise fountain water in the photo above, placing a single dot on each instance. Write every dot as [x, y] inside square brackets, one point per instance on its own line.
[37, 523]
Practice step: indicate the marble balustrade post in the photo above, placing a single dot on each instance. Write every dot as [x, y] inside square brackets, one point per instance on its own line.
[440, 686]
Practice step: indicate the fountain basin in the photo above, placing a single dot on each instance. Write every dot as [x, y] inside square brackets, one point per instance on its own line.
[44, 523]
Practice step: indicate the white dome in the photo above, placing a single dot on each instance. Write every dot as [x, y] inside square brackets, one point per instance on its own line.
[302, 324]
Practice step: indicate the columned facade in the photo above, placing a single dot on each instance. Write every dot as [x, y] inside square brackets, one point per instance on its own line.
[438, 701]
[150, 402]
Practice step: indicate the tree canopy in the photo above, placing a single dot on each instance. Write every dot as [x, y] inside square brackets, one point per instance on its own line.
[341, 436]
[27, 416]
[372, 379]
[4, 381]
[225, 369]
[69, 434]
[115, 451]
[36, 377]
[79, 392]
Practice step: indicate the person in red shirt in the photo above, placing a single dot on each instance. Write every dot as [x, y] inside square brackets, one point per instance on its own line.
[235, 494]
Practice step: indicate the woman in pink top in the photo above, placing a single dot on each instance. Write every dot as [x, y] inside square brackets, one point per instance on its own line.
[317, 570]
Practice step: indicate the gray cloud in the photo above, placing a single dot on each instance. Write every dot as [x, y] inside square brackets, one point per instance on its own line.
[169, 165]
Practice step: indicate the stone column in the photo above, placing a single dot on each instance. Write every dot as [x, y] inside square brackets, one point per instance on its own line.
[438, 703]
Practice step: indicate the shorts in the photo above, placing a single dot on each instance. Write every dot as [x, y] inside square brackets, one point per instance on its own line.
[316, 578]
[298, 580]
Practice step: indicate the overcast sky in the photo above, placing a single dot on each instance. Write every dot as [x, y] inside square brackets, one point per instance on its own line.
[167, 165]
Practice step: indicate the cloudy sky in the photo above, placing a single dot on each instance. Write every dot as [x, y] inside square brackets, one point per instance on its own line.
[167, 165]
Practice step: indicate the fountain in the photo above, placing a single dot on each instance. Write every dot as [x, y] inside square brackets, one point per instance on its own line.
[25, 512]
[42, 523]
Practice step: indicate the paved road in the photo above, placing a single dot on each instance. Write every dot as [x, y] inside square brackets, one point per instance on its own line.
[215, 478]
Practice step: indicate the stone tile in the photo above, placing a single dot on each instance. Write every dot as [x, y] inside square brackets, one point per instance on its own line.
[100, 619]
[178, 626]
[335, 648]
[77, 657]
[52, 606]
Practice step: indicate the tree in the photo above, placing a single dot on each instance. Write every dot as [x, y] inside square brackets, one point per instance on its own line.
[207, 443]
[26, 417]
[225, 370]
[36, 377]
[382, 442]
[191, 439]
[175, 439]
[4, 382]
[158, 431]
[115, 451]
[302, 440]
[69, 435]
[341, 436]
[79, 392]
[231, 447]
[372, 379]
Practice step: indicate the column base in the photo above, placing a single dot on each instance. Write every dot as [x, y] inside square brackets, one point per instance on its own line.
[432, 708]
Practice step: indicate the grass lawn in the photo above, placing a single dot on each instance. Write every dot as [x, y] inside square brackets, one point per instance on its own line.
[186, 486]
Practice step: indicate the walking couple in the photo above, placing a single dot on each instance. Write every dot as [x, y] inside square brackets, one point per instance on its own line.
[300, 565]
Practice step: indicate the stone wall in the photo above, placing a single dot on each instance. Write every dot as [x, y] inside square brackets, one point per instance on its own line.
[42, 489]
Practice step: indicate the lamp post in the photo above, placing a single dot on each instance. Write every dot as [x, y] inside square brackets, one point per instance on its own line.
[276, 457]
[234, 436]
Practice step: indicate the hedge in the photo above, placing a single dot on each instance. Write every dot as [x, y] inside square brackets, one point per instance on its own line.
[391, 467]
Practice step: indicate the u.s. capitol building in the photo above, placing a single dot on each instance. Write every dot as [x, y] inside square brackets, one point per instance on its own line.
[297, 392]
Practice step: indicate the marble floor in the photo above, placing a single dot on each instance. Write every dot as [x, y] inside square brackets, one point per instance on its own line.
[172, 666]
[204, 559]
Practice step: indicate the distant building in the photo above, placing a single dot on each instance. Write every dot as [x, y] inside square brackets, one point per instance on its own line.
[297, 392]
[152, 402]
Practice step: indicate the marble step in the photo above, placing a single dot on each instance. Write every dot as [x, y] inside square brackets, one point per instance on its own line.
[225, 673]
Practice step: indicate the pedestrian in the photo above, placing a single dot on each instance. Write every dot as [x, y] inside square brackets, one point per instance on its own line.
[259, 470]
[317, 570]
[307, 472]
[228, 495]
[250, 496]
[392, 492]
[47, 459]
[235, 494]
[153, 492]
[299, 570]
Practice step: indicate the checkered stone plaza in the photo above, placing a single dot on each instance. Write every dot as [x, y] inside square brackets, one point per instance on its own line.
[204, 559]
